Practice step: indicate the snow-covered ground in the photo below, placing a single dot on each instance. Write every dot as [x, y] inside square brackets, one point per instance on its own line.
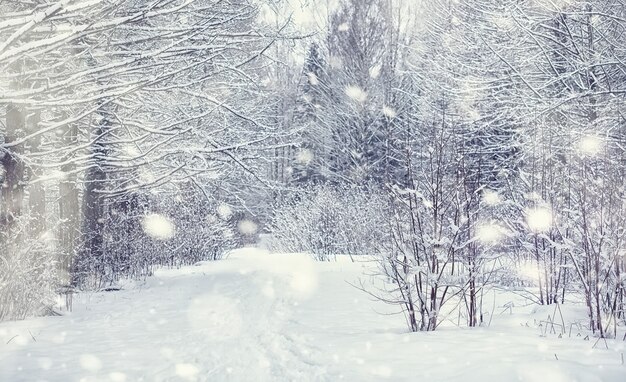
[264, 317]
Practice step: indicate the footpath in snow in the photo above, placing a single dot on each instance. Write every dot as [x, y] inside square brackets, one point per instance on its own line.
[263, 317]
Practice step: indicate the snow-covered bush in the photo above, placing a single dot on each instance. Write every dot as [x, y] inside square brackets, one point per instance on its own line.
[199, 230]
[143, 232]
[28, 279]
[326, 221]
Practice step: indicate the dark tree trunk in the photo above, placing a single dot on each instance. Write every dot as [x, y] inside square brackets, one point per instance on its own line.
[92, 250]
[12, 171]
[69, 207]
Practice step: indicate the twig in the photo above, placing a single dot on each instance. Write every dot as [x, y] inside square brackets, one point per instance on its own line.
[598, 340]
[493, 308]
[31, 336]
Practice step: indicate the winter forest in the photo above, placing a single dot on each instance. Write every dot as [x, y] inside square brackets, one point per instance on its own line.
[299, 190]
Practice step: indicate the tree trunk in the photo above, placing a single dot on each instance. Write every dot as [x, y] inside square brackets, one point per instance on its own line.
[12, 198]
[68, 208]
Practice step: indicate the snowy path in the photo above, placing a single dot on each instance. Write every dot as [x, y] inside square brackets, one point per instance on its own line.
[259, 317]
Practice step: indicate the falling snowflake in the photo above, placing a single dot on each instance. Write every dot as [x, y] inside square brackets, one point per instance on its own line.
[489, 233]
[356, 93]
[247, 227]
[224, 211]
[303, 17]
[158, 227]
[343, 27]
[473, 115]
[90, 362]
[131, 151]
[375, 71]
[266, 81]
[304, 156]
[539, 219]
[313, 80]
[211, 219]
[304, 281]
[45, 363]
[595, 19]
[48, 238]
[335, 62]
[187, 371]
[382, 371]
[491, 198]
[117, 377]
[389, 112]
[590, 145]
[502, 22]
[147, 176]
